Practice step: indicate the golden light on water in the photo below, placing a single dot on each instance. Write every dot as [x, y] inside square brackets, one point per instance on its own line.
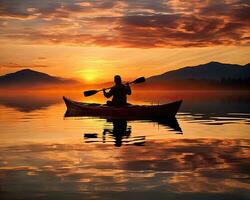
[51, 150]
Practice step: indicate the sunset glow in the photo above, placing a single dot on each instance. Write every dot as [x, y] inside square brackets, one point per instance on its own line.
[89, 75]
[103, 38]
[125, 99]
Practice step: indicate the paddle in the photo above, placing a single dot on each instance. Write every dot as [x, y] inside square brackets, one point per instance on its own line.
[92, 92]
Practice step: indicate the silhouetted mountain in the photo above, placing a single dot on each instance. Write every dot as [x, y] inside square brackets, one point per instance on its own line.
[210, 71]
[28, 77]
[213, 75]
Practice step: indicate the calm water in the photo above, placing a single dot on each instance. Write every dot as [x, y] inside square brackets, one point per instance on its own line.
[44, 155]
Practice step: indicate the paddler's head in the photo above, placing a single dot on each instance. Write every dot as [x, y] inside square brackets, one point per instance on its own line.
[117, 80]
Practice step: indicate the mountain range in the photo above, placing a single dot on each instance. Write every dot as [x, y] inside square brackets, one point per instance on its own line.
[211, 71]
[30, 78]
[211, 75]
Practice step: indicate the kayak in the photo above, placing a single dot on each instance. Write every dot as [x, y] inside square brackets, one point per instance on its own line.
[75, 108]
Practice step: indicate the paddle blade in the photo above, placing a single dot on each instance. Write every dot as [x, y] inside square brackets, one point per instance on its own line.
[90, 92]
[139, 80]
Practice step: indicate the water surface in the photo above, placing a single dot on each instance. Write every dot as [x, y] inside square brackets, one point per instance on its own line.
[46, 156]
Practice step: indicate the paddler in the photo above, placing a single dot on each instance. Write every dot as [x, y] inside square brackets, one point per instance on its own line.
[119, 92]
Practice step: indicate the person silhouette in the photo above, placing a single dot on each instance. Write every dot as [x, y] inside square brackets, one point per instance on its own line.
[119, 92]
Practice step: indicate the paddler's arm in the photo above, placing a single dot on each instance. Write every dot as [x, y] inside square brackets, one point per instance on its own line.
[107, 94]
[128, 89]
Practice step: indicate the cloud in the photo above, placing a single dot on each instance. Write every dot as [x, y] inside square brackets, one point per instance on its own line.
[15, 65]
[41, 58]
[138, 24]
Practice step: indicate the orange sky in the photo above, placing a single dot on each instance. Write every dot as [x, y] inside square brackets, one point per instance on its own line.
[93, 40]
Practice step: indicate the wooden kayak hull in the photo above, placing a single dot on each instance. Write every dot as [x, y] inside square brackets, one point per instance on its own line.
[75, 108]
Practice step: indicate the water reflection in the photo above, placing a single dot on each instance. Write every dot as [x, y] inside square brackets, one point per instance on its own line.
[209, 107]
[28, 102]
[120, 133]
[46, 157]
[179, 168]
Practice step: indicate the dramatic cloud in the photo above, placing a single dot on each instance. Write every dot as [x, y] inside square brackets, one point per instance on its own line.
[142, 24]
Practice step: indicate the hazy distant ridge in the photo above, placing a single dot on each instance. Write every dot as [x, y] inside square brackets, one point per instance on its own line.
[28, 77]
[210, 71]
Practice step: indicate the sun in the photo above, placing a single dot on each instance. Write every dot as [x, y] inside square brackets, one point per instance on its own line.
[89, 75]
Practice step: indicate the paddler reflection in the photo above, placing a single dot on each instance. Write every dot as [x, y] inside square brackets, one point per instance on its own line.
[118, 134]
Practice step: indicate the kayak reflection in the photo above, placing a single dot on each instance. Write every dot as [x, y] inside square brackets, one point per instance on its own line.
[119, 133]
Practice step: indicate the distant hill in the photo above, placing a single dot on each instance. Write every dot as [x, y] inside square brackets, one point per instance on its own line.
[30, 78]
[209, 71]
[213, 74]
